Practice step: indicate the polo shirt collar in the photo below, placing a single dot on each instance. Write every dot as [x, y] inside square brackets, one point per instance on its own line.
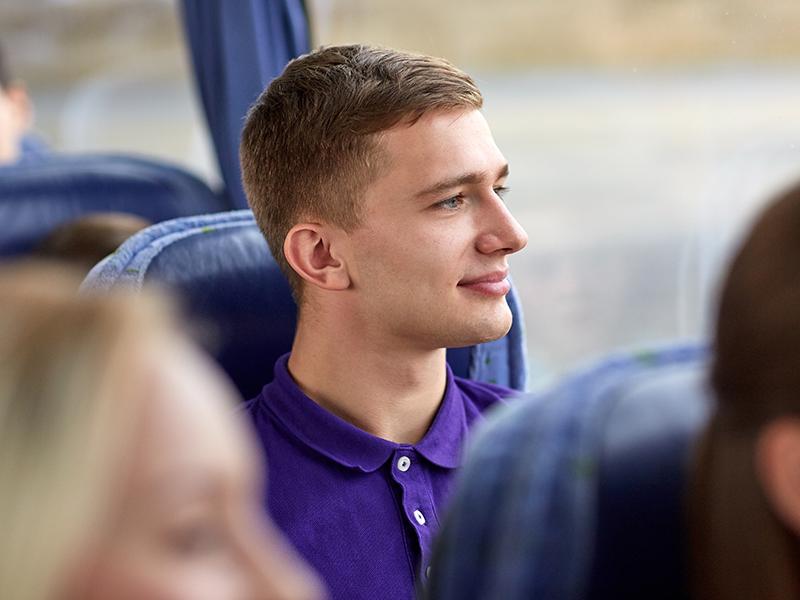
[352, 447]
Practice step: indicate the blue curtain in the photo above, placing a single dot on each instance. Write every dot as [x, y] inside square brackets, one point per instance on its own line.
[237, 48]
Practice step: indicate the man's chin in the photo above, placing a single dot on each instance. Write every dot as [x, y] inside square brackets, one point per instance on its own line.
[484, 330]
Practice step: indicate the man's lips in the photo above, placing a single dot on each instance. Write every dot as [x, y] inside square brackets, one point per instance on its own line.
[489, 284]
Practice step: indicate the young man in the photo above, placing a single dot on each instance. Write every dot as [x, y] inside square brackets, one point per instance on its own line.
[377, 184]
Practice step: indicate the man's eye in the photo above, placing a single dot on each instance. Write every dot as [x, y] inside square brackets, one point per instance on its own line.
[501, 191]
[451, 203]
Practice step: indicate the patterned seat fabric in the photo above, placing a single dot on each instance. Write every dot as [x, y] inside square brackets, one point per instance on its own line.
[577, 492]
[38, 195]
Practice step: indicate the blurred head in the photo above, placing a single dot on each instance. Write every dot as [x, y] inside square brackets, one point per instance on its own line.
[746, 503]
[124, 471]
[85, 241]
[372, 172]
[16, 114]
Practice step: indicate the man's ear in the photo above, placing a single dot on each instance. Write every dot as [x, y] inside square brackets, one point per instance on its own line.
[23, 109]
[311, 250]
[778, 468]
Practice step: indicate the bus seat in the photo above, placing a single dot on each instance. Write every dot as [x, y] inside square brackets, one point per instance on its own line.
[577, 492]
[220, 266]
[37, 196]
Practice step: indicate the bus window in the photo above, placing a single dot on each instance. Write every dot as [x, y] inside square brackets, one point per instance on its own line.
[109, 76]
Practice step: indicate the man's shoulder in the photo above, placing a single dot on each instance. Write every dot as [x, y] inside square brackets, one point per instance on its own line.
[251, 406]
[260, 410]
[271, 391]
[275, 430]
[248, 406]
[483, 395]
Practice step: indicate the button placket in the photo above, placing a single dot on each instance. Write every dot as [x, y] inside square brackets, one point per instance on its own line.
[409, 472]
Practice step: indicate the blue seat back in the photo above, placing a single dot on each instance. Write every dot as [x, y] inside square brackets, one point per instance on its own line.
[578, 492]
[221, 267]
[37, 196]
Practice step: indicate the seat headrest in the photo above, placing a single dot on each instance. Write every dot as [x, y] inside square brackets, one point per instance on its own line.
[37, 196]
[650, 423]
[577, 492]
[221, 268]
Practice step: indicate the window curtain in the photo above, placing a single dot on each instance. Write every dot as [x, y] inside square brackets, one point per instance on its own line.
[237, 48]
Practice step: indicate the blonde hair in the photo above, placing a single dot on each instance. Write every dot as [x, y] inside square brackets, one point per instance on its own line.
[62, 420]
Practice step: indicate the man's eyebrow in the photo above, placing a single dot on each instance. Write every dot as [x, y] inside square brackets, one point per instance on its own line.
[465, 179]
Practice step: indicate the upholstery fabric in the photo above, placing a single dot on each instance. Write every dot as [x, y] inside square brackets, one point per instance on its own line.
[576, 492]
[37, 196]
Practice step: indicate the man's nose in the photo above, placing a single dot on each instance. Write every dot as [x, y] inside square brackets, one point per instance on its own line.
[500, 231]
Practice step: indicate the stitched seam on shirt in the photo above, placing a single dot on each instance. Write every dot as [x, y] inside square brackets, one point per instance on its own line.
[430, 496]
[403, 527]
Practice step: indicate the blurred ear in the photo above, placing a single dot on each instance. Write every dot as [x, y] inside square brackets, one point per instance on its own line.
[22, 107]
[778, 468]
[312, 251]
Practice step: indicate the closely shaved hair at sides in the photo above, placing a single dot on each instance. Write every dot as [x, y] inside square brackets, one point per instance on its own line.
[310, 144]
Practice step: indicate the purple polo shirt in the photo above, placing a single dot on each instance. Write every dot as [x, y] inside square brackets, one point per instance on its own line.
[362, 510]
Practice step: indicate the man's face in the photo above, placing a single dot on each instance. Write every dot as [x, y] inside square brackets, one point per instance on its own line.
[429, 262]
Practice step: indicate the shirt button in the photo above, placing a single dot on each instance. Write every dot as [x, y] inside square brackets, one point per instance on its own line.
[404, 464]
[419, 517]
[428, 571]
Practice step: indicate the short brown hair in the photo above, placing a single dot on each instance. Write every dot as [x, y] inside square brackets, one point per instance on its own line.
[309, 147]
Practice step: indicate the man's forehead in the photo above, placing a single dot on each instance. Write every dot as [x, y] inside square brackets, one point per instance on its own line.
[436, 136]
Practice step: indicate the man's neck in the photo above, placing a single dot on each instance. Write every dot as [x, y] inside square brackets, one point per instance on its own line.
[390, 392]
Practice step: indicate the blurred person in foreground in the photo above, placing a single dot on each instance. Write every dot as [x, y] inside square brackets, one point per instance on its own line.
[745, 499]
[16, 119]
[124, 471]
[377, 183]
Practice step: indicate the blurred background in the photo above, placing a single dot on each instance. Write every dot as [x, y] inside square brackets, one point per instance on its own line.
[642, 134]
